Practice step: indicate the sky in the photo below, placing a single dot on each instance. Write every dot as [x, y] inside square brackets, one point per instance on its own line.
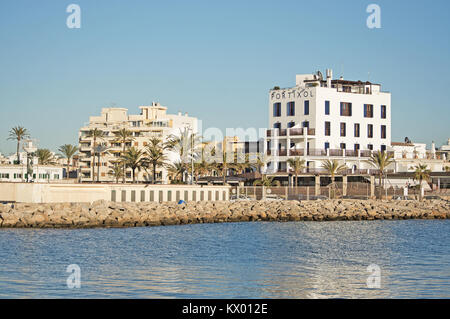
[215, 60]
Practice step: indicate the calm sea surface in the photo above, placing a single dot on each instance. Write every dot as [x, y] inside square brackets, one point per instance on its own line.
[236, 260]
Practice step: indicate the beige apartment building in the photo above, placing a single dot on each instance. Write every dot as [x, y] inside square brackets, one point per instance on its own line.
[153, 121]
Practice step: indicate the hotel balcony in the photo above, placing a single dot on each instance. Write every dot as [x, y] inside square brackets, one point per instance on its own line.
[292, 132]
[331, 153]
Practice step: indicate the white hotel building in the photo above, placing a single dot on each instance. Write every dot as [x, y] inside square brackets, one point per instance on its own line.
[153, 121]
[321, 118]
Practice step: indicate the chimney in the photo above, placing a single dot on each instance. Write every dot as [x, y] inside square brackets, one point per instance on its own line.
[329, 77]
[179, 113]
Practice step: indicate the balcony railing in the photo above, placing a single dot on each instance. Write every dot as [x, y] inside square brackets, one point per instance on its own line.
[296, 152]
[296, 131]
[335, 152]
[292, 132]
[317, 152]
[323, 152]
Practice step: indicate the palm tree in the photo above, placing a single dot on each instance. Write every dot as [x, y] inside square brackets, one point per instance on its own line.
[266, 181]
[101, 150]
[134, 159]
[380, 160]
[68, 151]
[155, 154]
[18, 133]
[186, 145]
[95, 134]
[176, 169]
[421, 173]
[297, 164]
[116, 171]
[124, 136]
[45, 157]
[261, 161]
[333, 167]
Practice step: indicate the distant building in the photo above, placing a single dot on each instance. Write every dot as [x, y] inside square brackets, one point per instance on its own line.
[41, 173]
[153, 121]
[320, 119]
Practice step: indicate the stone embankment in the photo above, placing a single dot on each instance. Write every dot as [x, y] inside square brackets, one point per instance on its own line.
[110, 214]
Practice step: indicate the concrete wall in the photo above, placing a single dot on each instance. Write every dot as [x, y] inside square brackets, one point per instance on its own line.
[64, 193]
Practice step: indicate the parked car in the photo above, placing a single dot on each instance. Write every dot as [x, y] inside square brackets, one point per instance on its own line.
[362, 197]
[240, 198]
[273, 197]
[432, 197]
[311, 197]
[402, 198]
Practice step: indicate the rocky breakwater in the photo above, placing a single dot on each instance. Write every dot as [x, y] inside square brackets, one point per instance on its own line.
[110, 214]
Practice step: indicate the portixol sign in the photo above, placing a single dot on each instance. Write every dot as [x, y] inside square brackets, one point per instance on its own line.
[296, 93]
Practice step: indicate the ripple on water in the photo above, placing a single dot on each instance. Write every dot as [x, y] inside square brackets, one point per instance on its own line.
[236, 260]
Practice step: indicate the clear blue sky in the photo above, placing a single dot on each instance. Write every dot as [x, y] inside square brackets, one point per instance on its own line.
[215, 60]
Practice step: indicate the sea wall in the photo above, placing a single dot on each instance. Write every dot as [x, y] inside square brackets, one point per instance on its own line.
[89, 193]
[113, 214]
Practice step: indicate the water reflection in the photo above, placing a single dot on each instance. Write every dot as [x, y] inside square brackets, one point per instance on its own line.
[242, 260]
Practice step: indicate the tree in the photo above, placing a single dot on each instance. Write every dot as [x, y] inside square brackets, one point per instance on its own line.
[297, 164]
[266, 181]
[333, 167]
[134, 159]
[45, 157]
[187, 145]
[124, 136]
[176, 169]
[94, 134]
[155, 154]
[261, 161]
[68, 151]
[380, 161]
[421, 173]
[101, 150]
[116, 171]
[18, 134]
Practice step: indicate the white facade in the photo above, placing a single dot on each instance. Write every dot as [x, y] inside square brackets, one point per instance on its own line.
[41, 173]
[153, 121]
[324, 119]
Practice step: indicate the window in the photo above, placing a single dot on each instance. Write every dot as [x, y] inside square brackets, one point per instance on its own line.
[277, 125]
[370, 147]
[327, 128]
[305, 124]
[327, 107]
[356, 129]
[291, 124]
[306, 107]
[342, 146]
[383, 111]
[327, 145]
[346, 109]
[342, 129]
[277, 109]
[383, 148]
[369, 130]
[356, 147]
[368, 110]
[346, 88]
[383, 131]
[290, 109]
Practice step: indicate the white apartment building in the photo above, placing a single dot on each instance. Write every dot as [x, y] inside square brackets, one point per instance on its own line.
[325, 118]
[152, 121]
